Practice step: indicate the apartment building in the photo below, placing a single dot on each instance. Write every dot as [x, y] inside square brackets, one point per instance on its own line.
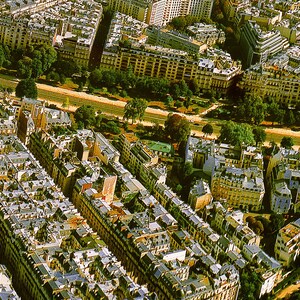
[258, 45]
[6, 289]
[267, 268]
[214, 70]
[47, 245]
[140, 237]
[209, 155]
[27, 22]
[236, 172]
[281, 197]
[173, 39]
[287, 246]
[138, 9]
[161, 12]
[240, 188]
[277, 78]
[199, 195]
[144, 234]
[207, 33]
[283, 179]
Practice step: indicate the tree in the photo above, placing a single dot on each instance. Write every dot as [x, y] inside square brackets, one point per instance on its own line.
[236, 134]
[258, 227]
[207, 129]
[54, 76]
[188, 169]
[276, 114]
[178, 188]
[27, 88]
[24, 67]
[249, 283]
[250, 220]
[66, 67]
[276, 222]
[194, 86]
[47, 55]
[2, 56]
[175, 91]
[62, 78]
[295, 296]
[37, 68]
[289, 118]
[253, 109]
[66, 103]
[287, 142]
[177, 127]
[135, 109]
[169, 101]
[85, 115]
[259, 135]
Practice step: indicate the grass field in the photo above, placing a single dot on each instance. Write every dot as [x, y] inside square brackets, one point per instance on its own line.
[7, 80]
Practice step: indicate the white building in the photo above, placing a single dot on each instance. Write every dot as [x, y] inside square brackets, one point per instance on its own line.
[287, 246]
[281, 198]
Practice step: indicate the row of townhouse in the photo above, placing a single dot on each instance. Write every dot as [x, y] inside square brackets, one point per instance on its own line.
[6, 289]
[119, 222]
[82, 146]
[160, 12]
[141, 234]
[241, 245]
[67, 25]
[213, 70]
[232, 236]
[47, 245]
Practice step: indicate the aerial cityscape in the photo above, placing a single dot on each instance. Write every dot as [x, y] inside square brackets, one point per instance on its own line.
[149, 149]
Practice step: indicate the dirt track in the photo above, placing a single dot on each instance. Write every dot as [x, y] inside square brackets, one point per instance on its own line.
[280, 131]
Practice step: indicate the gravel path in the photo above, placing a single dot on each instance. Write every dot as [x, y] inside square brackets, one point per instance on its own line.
[280, 131]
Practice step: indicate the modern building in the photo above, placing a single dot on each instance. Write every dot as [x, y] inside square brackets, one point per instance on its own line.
[258, 45]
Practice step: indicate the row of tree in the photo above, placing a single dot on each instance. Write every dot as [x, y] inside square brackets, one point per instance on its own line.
[177, 128]
[255, 110]
[143, 87]
[37, 60]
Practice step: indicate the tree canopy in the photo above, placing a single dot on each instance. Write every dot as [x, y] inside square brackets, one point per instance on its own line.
[276, 221]
[27, 88]
[135, 109]
[85, 116]
[249, 283]
[207, 129]
[259, 135]
[236, 134]
[182, 22]
[287, 142]
[177, 127]
[253, 109]
[35, 61]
